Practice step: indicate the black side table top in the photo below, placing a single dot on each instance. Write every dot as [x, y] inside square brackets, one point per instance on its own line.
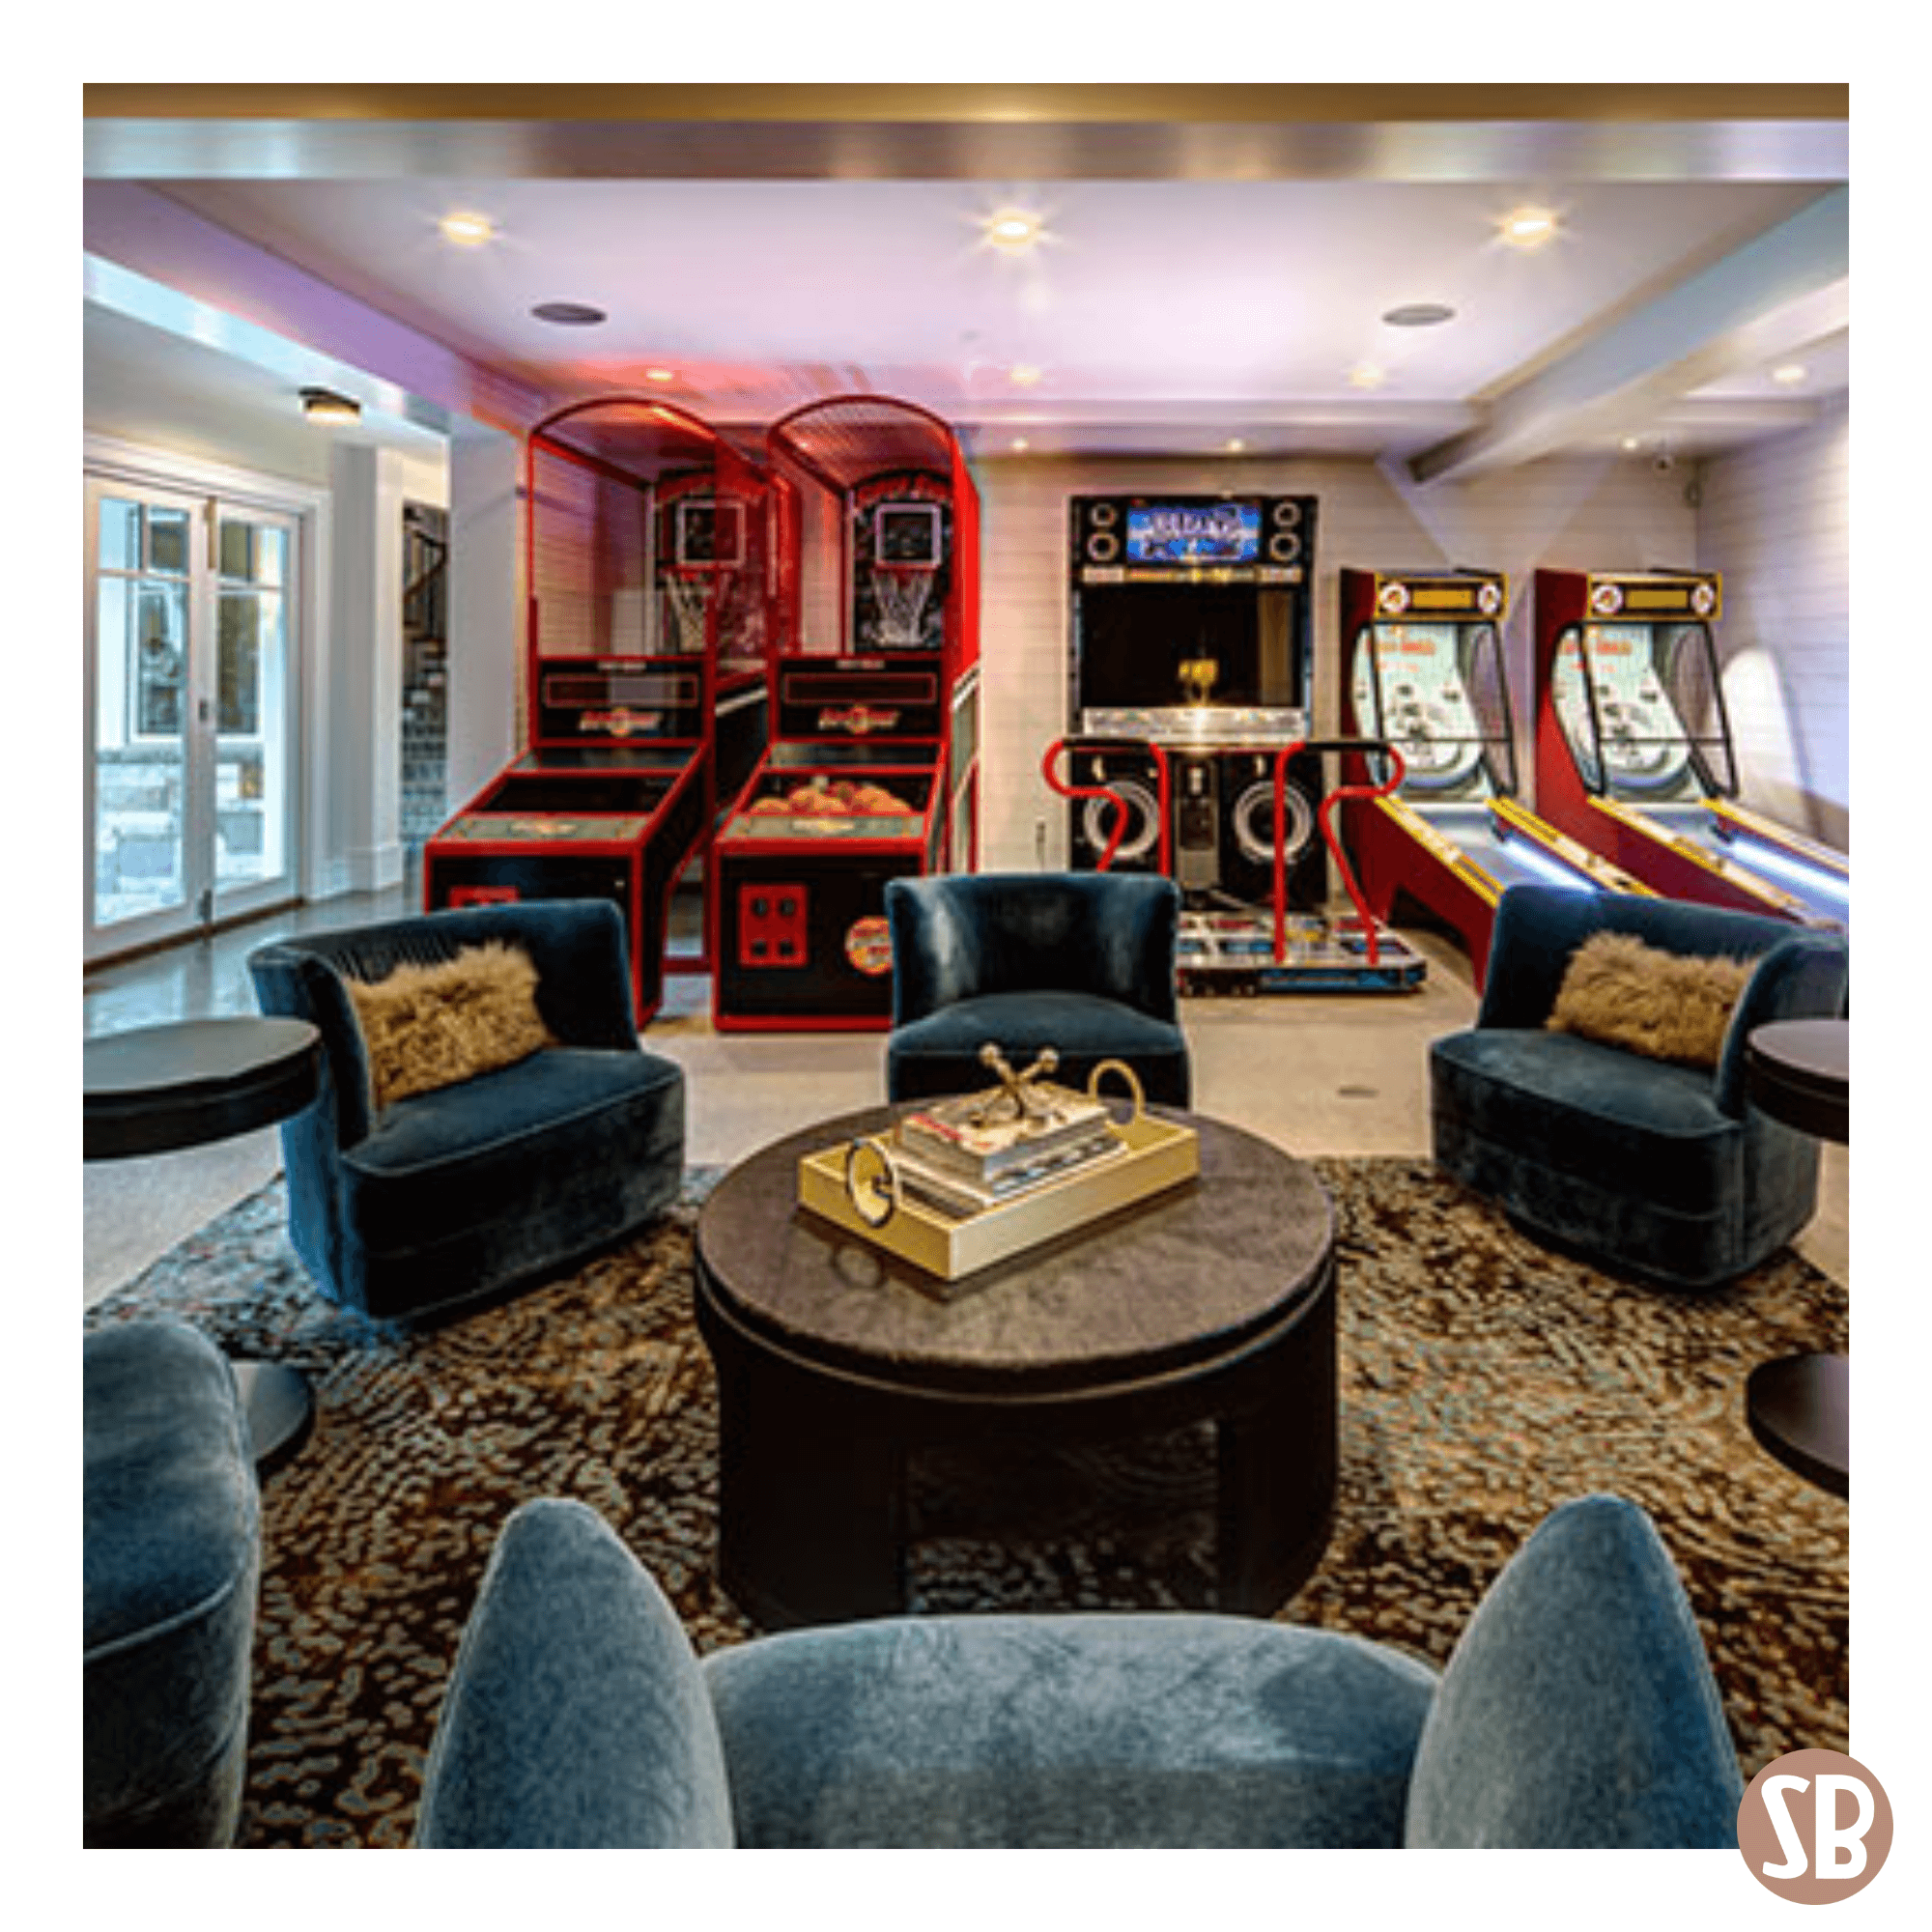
[1800, 1071]
[155, 1088]
[188, 1081]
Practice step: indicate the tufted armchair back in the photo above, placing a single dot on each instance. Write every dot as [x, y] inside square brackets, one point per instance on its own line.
[1660, 1168]
[958, 937]
[1800, 974]
[495, 1181]
[576, 946]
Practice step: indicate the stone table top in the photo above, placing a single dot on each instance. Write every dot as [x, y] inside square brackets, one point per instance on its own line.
[1181, 1277]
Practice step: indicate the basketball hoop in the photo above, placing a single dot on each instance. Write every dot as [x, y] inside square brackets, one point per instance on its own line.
[900, 591]
[687, 603]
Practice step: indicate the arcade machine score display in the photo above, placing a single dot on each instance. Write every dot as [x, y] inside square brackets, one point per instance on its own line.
[1634, 753]
[873, 768]
[648, 550]
[1191, 698]
[1423, 668]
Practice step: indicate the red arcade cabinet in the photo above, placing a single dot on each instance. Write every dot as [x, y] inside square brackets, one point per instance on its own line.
[873, 768]
[1633, 753]
[1423, 668]
[649, 582]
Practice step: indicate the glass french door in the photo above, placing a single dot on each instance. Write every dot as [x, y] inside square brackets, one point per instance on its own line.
[190, 607]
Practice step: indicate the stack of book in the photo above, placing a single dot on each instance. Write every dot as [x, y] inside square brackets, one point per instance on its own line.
[952, 1161]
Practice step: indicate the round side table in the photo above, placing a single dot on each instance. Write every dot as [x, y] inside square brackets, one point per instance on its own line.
[187, 1083]
[1800, 1071]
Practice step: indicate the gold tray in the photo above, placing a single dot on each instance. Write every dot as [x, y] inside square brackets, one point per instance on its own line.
[835, 1183]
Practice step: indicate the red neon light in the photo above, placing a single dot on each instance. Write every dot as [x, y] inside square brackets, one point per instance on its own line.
[1324, 819]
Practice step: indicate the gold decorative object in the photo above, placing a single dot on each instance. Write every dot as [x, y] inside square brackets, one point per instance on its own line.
[1196, 679]
[952, 1214]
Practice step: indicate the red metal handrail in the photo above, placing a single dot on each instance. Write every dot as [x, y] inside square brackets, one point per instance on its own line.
[1325, 823]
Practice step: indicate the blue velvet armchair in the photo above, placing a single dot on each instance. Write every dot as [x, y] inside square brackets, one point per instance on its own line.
[1655, 1167]
[1578, 1710]
[1083, 962]
[501, 1181]
[171, 1553]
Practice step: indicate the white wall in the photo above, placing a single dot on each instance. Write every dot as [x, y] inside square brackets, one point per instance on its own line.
[1578, 513]
[1776, 520]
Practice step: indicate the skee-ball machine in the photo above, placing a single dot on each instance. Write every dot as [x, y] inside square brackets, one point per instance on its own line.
[1633, 752]
[649, 552]
[873, 768]
[1423, 668]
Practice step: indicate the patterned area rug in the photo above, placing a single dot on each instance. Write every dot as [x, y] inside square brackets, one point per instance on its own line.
[1483, 1381]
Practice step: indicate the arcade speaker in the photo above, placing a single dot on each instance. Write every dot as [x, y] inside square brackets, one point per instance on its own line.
[1247, 830]
[1133, 775]
[1097, 531]
[1286, 537]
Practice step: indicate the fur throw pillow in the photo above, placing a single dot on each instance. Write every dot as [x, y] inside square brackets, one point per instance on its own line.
[1668, 1006]
[426, 1027]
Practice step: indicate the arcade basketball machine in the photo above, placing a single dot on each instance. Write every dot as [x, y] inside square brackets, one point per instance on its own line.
[1190, 693]
[648, 579]
[873, 768]
[1634, 753]
[1423, 668]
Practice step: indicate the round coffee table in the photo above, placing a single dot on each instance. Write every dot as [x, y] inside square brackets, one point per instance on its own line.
[186, 1082]
[835, 1360]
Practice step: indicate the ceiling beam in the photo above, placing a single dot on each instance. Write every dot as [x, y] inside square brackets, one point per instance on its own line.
[1101, 131]
[1782, 289]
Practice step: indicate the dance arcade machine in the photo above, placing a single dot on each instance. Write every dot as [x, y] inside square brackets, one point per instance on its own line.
[1189, 698]
[1423, 668]
[648, 549]
[1634, 753]
[873, 768]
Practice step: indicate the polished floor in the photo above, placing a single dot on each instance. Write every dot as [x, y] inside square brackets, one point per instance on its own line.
[1317, 1075]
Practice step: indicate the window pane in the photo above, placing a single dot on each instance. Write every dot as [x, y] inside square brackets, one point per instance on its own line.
[159, 642]
[238, 550]
[240, 672]
[138, 766]
[120, 534]
[250, 802]
[167, 540]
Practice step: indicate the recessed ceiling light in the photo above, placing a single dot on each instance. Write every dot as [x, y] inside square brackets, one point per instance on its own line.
[1367, 376]
[1419, 314]
[1235, 445]
[572, 315]
[1019, 442]
[1789, 373]
[325, 406]
[1013, 229]
[1630, 442]
[1023, 375]
[1528, 227]
[661, 375]
[467, 229]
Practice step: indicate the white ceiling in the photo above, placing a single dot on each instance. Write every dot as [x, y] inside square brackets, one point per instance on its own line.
[1160, 313]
